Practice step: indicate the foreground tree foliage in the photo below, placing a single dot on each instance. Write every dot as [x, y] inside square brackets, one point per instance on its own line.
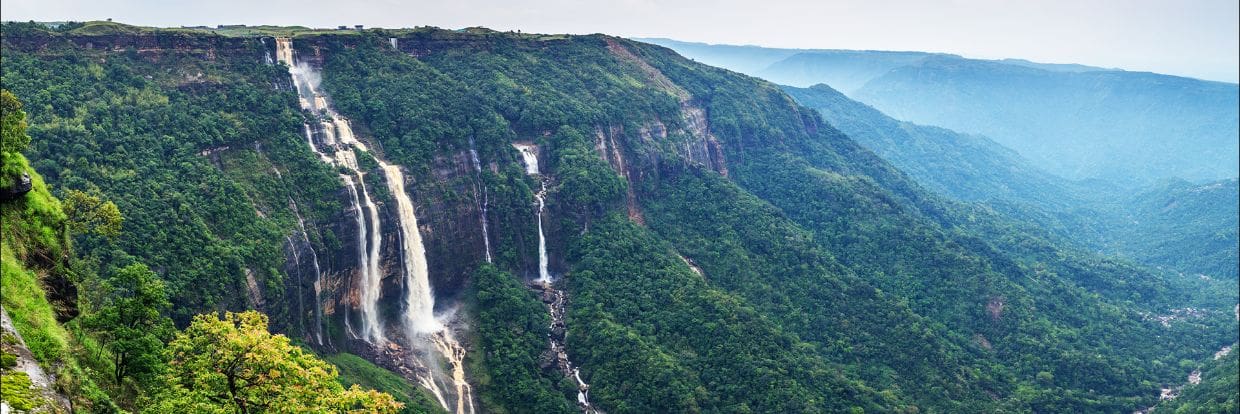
[14, 139]
[234, 365]
[131, 322]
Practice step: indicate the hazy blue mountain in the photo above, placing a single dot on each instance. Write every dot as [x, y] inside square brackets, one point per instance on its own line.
[744, 59]
[845, 70]
[1076, 121]
[1174, 224]
[966, 167]
[1121, 126]
[1054, 67]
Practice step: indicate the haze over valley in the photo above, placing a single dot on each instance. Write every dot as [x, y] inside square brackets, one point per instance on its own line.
[402, 218]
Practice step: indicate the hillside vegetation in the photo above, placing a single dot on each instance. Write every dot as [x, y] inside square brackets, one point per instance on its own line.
[720, 247]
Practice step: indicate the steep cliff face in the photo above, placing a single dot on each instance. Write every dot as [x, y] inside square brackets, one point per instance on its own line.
[709, 236]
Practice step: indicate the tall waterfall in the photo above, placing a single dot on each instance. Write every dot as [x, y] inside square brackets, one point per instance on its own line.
[543, 274]
[419, 303]
[553, 297]
[529, 154]
[422, 328]
[314, 256]
[370, 283]
[318, 276]
[486, 236]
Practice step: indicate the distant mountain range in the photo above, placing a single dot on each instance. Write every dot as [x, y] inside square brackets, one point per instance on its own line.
[1076, 121]
[1173, 224]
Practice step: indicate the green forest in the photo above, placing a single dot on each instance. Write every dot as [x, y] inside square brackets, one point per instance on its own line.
[719, 247]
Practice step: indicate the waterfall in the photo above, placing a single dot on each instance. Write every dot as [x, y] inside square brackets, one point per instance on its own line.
[371, 283]
[543, 275]
[318, 275]
[284, 50]
[420, 323]
[455, 355]
[486, 236]
[310, 140]
[392, 41]
[305, 237]
[301, 305]
[529, 155]
[419, 303]
[554, 298]
[583, 389]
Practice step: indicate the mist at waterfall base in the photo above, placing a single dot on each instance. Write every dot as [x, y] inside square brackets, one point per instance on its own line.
[425, 333]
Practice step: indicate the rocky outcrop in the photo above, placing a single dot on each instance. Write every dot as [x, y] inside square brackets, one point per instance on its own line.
[197, 45]
[12, 343]
[21, 186]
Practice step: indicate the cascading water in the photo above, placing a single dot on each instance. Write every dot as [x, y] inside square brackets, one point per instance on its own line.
[420, 323]
[314, 256]
[419, 302]
[554, 298]
[318, 275]
[486, 236]
[543, 274]
[529, 154]
[370, 282]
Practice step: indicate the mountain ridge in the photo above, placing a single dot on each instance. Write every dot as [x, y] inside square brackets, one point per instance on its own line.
[823, 269]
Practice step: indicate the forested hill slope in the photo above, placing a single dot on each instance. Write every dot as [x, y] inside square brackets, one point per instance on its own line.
[1075, 121]
[1174, 225]
[714, 246]
[965, 167]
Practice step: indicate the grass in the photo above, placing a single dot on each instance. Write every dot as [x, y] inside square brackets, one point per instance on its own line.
[33, 227]
[355, 370]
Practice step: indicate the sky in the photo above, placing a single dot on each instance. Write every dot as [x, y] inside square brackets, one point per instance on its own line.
[1195, 38]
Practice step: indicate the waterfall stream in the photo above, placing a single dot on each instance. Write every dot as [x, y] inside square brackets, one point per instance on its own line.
[554, 298]
[529, 154]
[486, 236]
[422, 328]
[318, 275]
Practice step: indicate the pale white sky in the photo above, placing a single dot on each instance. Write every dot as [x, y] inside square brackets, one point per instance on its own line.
[1197, 38]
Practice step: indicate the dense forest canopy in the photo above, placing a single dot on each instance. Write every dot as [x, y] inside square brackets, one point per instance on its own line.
[714, 245]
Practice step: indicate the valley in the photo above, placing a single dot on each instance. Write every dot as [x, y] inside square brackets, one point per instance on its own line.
[474, 221]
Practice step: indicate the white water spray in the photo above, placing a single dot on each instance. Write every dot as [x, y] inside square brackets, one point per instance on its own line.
[419, 319]
[529, 154]
[419, 302]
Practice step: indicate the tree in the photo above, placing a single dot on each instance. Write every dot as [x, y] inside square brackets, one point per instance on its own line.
[13, 138]
[131, 323]
[89, 213]
[12, 124]
[234, 365]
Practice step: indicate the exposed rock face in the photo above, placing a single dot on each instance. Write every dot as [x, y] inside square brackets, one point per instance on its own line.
[450, 227]
[39, 379]
[21, 186]
[150, 45]
[556, 356]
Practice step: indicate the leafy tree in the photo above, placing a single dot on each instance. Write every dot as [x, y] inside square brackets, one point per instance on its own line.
[131, 323]
[234, 365]
[90, 213]
[13, 138]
